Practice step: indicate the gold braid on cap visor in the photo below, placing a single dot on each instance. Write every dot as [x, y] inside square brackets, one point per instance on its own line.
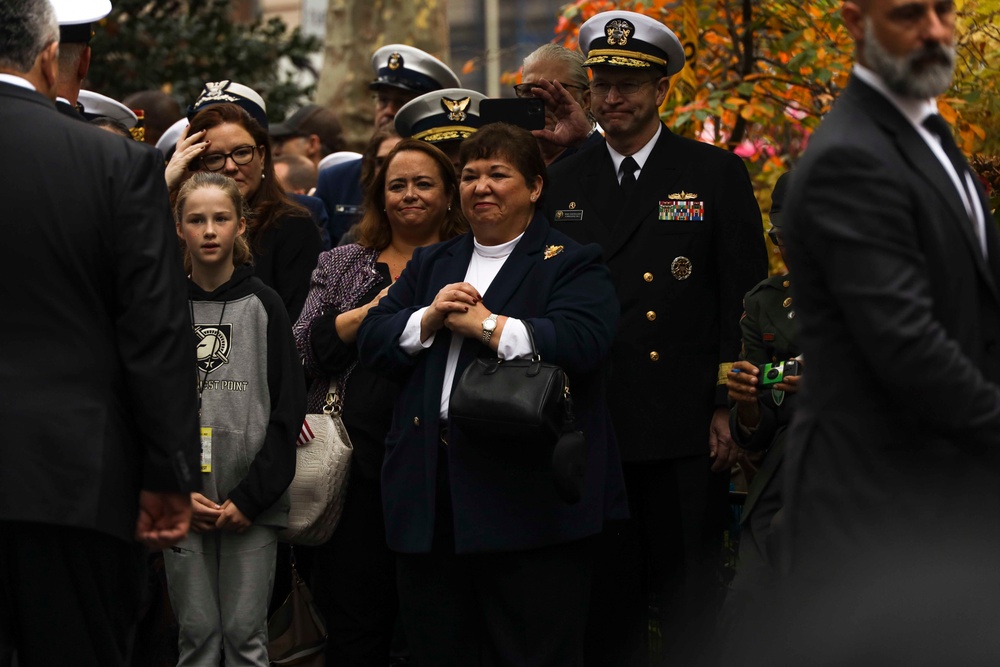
[624, 58]
[436, 134]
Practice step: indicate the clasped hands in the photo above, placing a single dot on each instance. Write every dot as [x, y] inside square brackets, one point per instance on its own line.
[457, 307]
[207, 516]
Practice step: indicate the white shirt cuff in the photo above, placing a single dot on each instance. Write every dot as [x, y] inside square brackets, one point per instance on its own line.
[514, 342]
[409, 340]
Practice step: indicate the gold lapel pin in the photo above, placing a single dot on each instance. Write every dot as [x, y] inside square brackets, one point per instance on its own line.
[552, 250]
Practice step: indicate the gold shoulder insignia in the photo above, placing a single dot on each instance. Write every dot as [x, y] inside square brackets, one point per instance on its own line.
[553, 250]
[683, 195]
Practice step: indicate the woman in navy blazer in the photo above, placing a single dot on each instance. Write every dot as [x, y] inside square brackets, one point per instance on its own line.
[493, 566]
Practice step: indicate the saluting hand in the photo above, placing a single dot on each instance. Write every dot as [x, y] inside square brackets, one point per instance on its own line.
[187, 150]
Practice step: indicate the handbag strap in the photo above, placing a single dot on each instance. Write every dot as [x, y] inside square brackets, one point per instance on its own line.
[333, 404]
[535, 354]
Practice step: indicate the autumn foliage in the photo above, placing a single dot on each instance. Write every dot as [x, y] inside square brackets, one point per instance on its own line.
[764, 72]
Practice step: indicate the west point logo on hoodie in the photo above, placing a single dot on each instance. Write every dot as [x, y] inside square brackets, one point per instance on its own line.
[214, 343]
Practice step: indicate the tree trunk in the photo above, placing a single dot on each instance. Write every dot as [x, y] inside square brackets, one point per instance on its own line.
[354, 30]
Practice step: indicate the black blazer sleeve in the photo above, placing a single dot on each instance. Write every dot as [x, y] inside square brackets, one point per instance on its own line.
[152, 327]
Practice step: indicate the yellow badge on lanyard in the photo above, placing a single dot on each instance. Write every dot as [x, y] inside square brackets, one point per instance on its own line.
[206, 449]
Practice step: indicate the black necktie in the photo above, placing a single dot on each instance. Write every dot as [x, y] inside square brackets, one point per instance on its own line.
[629, 165]
[939, 128]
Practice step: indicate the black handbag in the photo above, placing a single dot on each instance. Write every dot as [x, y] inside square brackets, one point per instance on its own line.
[525, 401]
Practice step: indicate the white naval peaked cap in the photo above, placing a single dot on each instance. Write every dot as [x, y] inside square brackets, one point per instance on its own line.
[95, 104]
[630, 40]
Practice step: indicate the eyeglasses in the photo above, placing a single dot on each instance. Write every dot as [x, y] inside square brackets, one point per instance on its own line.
[524, 89]
[384, 99]
[775, 237]
[624, 88]
[240, 156]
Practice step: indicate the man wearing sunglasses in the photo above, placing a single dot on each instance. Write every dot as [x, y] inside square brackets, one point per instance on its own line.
[681, 233]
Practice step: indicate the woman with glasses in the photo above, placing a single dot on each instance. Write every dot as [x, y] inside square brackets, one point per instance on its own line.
[283, 238]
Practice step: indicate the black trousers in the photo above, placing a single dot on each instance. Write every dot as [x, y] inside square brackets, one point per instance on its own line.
[521, 608]
[663, 564]
[68, 596]
[354, 581]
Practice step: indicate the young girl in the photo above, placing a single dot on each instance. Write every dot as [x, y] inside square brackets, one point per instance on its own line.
[252, 403]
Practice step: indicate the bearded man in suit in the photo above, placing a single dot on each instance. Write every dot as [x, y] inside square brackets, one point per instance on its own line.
[891, 495]
[682, 234]
[98, 422]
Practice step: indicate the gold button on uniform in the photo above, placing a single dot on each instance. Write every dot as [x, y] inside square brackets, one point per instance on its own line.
[416, 421]
[648, 277]
[651, 315]
[654, 356]
[787, 302]
[786, 283]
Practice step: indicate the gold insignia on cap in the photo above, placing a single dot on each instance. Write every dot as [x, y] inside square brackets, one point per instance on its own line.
[456, 108]
[683, 195]
[680, 268]
[572, 204]
[553, 250]
[618, 32]
[395, 61]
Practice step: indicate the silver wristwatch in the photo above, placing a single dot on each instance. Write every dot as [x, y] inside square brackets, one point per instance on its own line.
[489, 326]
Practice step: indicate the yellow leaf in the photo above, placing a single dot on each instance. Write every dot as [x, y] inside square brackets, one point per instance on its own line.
[735, 101]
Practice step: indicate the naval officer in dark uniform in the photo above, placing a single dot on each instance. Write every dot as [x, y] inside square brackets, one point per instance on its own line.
[681, 232]
[76, 19]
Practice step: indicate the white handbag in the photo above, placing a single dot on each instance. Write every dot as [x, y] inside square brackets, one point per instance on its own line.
[322, 469]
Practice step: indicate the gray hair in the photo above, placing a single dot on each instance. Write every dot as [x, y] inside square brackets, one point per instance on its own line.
[27, 27]
[554, 52]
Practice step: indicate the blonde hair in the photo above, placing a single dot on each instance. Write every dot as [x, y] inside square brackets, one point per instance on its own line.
[211, 179]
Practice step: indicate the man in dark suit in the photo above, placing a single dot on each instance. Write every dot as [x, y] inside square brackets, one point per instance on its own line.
[891, 495]
[99, 443]
[682, 234]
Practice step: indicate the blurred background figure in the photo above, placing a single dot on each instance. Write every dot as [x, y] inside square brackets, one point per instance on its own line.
[379, 146]
[160, 111]
[297, 176]
[296, 173]
[312, 132]
[759, 422]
